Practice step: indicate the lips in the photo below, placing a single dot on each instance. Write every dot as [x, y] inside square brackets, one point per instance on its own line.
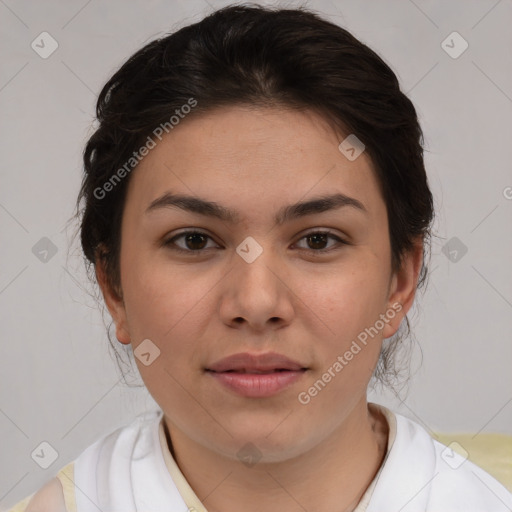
[256, 371]
[269, 362]
[256, 376]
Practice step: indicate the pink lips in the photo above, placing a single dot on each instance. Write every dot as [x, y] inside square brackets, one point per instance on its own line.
[256, 376]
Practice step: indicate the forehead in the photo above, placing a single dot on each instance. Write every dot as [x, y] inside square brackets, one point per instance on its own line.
[252, 158]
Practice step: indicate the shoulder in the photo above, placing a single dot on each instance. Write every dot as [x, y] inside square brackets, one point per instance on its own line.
[57, 495]
[133, 438]
[451, 481]
[457, 479]
[49, 498]
[122, 443]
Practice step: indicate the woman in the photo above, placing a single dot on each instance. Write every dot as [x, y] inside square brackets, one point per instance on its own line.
[256, 210]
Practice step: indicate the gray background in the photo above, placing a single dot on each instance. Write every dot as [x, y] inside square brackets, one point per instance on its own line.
[59, 381]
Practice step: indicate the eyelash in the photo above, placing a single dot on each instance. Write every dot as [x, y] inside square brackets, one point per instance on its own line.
[171, 242]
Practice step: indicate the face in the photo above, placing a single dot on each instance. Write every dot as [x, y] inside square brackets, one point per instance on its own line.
[260, 276]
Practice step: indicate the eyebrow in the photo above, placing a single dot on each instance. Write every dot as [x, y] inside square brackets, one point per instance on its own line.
[290, 212]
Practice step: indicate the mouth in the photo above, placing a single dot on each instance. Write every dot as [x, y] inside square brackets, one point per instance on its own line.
[256, 376]
[255, 363]
[257, 384]
[258, 372]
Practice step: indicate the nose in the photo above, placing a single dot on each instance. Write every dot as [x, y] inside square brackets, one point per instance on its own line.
[256, 296]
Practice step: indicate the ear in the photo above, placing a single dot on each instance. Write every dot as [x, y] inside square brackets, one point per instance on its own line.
[402, 288]
[114, 302]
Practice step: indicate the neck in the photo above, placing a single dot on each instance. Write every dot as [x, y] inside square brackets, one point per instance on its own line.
[333, 475]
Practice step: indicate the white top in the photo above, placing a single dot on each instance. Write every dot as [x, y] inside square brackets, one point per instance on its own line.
[132, 470]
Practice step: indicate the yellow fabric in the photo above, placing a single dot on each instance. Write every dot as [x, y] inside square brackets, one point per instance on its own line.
[194, 503]
[66, 477]
[391, 421]
[189, 496]
[492, 452]
[21, 505]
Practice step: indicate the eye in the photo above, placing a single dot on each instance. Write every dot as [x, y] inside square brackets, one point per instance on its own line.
[317, 240]
[195, 242]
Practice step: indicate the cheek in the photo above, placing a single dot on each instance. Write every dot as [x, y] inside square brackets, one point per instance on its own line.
[166, 307]
[159, 297]
[349, 301]
[350, 305]
[174, 307]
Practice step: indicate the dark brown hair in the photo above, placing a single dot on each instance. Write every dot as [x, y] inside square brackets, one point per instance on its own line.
[268, 57]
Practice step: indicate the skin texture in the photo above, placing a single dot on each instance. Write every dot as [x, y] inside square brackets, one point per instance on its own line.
[50, 498]
[290, 300]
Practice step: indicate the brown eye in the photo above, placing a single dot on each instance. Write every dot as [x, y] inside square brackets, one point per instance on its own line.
[191, 242]
[316, 241]
[195, 241]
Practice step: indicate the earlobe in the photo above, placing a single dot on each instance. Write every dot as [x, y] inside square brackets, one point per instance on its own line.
[402, 289]
[114, 303]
